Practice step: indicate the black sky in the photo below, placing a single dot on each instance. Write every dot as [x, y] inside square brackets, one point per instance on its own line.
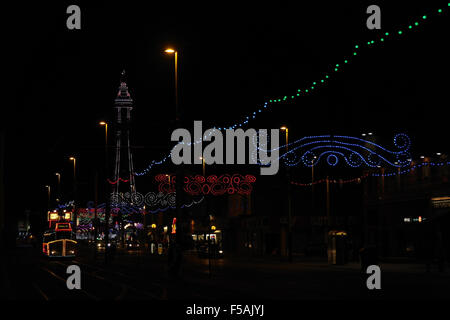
[61, 82]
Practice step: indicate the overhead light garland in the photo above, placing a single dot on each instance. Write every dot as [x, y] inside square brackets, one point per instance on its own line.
[356, 152]
[359, 179]
[335, 181]
[321, 81]
[408, 170]
[212, 184]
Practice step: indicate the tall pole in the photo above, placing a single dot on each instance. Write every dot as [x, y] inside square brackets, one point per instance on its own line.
[107, 195]
[312, 193]
[289, 204]
[74, 191]
[328, 204]
[365, 213]
[175, 250]
[312, 185]
[177, 110]
[179, 187]
[203, 167]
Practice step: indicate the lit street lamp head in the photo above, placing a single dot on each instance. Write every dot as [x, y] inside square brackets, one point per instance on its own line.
[169, 51]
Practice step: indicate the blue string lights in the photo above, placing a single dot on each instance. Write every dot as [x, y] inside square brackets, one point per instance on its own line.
[412, 168]
[373, 174]
[323, 79]
[355, 151]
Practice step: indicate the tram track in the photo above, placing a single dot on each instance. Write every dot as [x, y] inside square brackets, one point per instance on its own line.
[123, 287]
[140, 276]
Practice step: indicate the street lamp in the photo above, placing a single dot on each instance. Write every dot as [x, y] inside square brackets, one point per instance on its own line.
[107, 199]
[287, 136]
[289, 234]
[169, 180]
[103, 123]
[203, 165]
[74, 165]
[74, 179]
[175, 52]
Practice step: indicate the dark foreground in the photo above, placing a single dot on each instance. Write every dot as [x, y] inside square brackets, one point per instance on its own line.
[133, 275]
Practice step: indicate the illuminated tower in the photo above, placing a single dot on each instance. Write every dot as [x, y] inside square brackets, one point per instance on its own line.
[123, 169]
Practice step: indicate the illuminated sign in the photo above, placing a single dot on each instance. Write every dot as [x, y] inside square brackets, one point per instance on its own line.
[418, 219]
[63, 226]
[53, 216]
[440, 202]
[68, 216]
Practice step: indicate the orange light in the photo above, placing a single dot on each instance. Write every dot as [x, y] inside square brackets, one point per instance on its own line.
[72, 158]
[102, 123]
[283, 128]
[169, 51]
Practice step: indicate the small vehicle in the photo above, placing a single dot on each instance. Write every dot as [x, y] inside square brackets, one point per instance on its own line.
[132, 244]
[59, 242]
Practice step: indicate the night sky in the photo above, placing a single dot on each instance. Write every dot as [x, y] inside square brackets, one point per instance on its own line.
[60, 83]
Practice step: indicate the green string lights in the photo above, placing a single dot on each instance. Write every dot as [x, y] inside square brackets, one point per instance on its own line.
[338, 67]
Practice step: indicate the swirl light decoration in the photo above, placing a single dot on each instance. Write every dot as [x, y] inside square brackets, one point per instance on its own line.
[351, 151]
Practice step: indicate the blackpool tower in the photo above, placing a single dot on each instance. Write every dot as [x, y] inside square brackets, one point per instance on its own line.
[123, 166]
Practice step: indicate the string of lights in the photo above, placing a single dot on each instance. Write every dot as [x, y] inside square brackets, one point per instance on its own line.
[408, 170]
[389, 174]
[133, 209]
[324, 78]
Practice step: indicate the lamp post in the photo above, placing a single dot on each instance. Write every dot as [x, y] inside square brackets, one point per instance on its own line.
[105, 124]
[74, 190]
[107, 196]
[287, 137]
[74, 178]
[312, 184]
[203, 166]
[175, 248]
[175, 53]
[289, 233]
